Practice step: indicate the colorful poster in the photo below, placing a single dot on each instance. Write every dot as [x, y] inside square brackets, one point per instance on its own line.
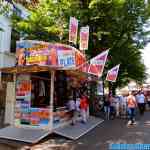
[112, 74]
[34, 116]
[80, 58]
[25, 112]
[84, 38]
[97, 64]
[23, 87]
[73, 30]
[39, 116]
[32, 52]
[66, 58]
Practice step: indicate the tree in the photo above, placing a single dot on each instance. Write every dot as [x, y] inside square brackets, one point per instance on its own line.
[45, 22]
[4, 9]
[120, 27]
[114, 24]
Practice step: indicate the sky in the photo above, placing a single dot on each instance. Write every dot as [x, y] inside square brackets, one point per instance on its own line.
[146, 58]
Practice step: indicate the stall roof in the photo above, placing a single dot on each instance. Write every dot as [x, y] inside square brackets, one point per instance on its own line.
[30, 68]
[37, 68]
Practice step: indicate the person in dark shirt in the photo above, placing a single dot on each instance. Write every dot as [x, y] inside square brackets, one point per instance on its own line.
[107, 108]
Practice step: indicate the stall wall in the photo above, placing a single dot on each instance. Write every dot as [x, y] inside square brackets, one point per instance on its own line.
[10, 103]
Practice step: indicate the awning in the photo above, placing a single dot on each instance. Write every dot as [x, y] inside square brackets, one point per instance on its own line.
[38, 68]
[31, 68]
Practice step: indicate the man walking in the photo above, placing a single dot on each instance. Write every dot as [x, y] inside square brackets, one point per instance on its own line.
[141, 102]
[131, 104]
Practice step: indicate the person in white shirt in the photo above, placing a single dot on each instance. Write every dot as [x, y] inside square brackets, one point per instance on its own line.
[123, 101]
[140, 98]
[117, 106]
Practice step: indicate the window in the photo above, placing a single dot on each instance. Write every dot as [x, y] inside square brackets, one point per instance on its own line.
[15, 36]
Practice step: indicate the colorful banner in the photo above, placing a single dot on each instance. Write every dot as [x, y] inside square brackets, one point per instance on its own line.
[23, 88]
[97, 64]
[73, 30]
[66, 58]
[84, 38]
[112, 74]
[49, 54]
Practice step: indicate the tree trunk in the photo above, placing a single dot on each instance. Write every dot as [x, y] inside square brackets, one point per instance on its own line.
[112, 88]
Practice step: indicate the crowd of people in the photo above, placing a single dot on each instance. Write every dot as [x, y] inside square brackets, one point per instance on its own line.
[126, 106]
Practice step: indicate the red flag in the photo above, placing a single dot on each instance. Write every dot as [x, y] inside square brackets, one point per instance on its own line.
[73, 30]
[97, 64]
[112, 74]
[84, 67]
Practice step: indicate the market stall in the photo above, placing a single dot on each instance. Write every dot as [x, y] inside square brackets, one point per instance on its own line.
[45, 76]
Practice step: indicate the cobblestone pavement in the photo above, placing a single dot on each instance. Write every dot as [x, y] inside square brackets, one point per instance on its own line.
[112, 131]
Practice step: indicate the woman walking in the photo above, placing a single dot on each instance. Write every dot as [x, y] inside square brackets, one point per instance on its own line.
[131, 104]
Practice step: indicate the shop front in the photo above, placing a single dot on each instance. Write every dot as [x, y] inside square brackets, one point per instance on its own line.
[45, 78]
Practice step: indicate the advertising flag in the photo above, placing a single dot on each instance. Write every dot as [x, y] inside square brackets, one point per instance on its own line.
[84, 38]
[73, 30]
[112, 74]
[97, 64]
[84, 67]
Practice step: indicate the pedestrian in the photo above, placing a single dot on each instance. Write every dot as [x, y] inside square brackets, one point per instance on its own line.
[124, 106]
[112, 106]
[141, 102]
[107, 108]
[72, 108]
[131, 104]
[83, 108]
[148, 101]
[117, 106]
[78, 111]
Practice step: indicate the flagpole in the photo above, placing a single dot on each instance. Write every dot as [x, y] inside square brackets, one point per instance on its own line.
[103, 88]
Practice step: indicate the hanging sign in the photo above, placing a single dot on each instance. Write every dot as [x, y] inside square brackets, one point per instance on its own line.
[84, 38]
[73, 30]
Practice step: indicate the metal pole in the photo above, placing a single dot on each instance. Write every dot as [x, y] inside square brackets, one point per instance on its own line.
[51, 98]
[14, 102]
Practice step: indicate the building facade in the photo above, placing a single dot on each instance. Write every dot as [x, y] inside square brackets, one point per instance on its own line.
[7, 59]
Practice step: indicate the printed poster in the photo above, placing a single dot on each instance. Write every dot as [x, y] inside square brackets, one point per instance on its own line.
[66, 58]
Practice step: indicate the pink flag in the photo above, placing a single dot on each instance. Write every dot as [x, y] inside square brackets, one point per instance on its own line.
[84, 38]
[112, 74]
[97, 64]
[73, 30]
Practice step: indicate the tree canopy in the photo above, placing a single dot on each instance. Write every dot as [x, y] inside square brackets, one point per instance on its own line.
[114, 24]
